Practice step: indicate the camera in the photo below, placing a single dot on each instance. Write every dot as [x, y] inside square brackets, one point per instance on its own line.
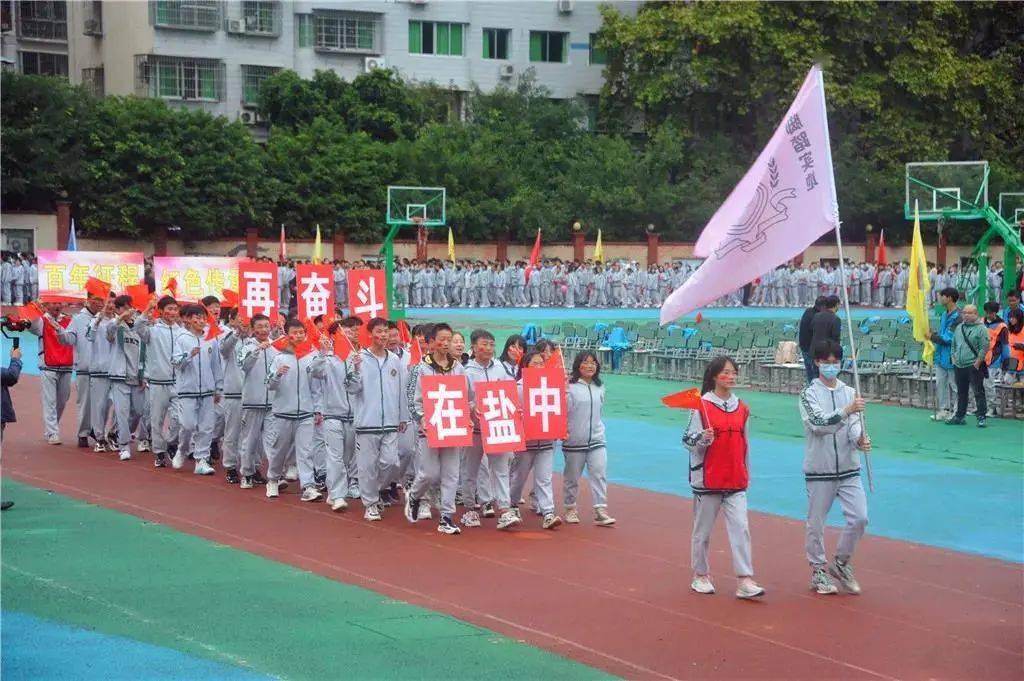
[14, 326]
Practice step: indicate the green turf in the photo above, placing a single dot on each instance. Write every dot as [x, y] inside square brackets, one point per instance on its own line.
[87, 566]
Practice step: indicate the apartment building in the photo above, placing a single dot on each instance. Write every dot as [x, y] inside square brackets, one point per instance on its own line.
[214, 54]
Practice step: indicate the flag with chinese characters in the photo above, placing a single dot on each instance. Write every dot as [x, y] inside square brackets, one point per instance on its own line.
[544, 405]
[501, 418]
[446, 420]
[367, 294]
[257, 290]
[63, 274]
[197, 277]
[784, 203]
[314, 286]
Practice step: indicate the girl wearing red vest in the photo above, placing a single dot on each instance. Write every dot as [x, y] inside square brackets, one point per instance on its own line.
[717, 439]
[56, 361]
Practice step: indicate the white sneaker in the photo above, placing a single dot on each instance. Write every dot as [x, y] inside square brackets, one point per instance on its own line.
[272, 491]
[572, 516]
[471, 519]
[353, 492]
[179, 460]
[702, 585]
[551, 521]
[372, 513]
[338, 505]
[844, 573]
[203, 467]
[508, 519]
[125, 455]
[749, 590]
[246, 482]
[424, 513]
[292, 474]
[99, 447]
[821, 583]
[941, 415]
[601, 517]
[143, 446]
[311, 494]
[53, 439]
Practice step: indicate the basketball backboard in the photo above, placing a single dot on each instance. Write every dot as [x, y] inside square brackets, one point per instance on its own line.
[416, 205]
[952, 189]
[1011, 207]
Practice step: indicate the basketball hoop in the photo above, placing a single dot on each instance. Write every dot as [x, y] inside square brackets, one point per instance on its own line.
[418, 221]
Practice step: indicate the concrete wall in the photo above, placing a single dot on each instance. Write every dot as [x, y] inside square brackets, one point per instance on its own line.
[43, 228]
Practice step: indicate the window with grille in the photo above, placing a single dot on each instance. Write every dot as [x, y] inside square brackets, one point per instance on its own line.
[346, 31]
[180, 78]
[261, 17]
[304, 30]
[496, 42]
[252, 80]
[92, 81]
[43, 20]
[549, 46]
[436, 37]
[199, 15]
[44, 64]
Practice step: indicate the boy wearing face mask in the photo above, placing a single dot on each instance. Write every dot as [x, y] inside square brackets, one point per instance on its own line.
[831, 413]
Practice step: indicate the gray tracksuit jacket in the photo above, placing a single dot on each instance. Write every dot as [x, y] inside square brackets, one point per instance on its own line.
[475, 373]
[255, 364]
[337, 378]
[162, 343]
[81, 326]
[380, 384]
[102, 347]
[228, 342]
[586, 429]
[297, 395]
[200, 375]
[831, 450]
[127, 360]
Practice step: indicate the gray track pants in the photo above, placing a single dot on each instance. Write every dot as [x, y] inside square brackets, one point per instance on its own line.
[705, 510]
[55, 393]
[163, 406]
[297, 432]
[476, 477]
[231, 442]
[377, 461]
[437, 467]
[197, 417]
[596, 463]
[257, 437]
[541, 462]
[820, 496]
[129, 408]
[339, 438]
[99, 404]
[82, 402]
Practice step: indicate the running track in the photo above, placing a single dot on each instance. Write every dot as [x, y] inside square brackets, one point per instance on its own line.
[616, 598]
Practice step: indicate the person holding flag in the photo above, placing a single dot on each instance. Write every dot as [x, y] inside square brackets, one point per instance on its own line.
[158, 328]
[254, 358]
[199, 384]
[336, 374]
[716, 437]
[57, 357]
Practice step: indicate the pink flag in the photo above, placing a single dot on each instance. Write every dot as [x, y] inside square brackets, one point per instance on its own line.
[781, 206]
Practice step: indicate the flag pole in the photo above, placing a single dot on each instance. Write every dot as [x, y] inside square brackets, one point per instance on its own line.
[842, 276]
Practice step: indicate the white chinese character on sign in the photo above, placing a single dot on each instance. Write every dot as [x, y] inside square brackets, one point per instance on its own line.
[446, 414]
[314, 294]
[499, 412]
[256, 293]
[544, 402]
[367, 295]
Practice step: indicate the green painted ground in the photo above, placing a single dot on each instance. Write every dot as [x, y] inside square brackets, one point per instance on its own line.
[72, 562]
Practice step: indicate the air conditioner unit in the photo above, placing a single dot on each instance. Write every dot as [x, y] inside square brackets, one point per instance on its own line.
[506, 70]
[566, 6]
[236, 26]
[250, 117]
[371, 63]
[93, 27]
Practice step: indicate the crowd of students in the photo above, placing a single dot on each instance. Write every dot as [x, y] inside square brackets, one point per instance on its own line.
[192, 381]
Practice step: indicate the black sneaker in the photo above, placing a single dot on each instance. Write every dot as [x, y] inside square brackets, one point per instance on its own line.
[981, 421]
[231, 475]
[215, 450]
[956, 421]
[258, 478]
[446, 526]
[488, 510]
[412, 508]
[160, 460]
[385, 498]
[83, 443]
[320, 479]
[396, 493]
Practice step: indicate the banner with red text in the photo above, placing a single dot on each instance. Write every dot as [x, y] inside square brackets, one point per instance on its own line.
[314, 287]
[501, 418]
[367, 294]
[446, 411]
[257, 290]
[544, 406]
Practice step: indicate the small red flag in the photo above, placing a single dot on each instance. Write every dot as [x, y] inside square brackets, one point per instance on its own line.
[686, 399]
[30, 312]
[556, 360]
[303, 349]
[97, 288]
[415, 353]
[140, 296]
[228, 298]
[280, 344]
[534, 257]
[214, 327]
[403, 332]
[312, 333]
[342, 345]
[172, 286]
[700, 317]
[365, 337]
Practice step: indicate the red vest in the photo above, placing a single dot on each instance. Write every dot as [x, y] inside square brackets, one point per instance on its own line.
[725, 462]
[54, 353]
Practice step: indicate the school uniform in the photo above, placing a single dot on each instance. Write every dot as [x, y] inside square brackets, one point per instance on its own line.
[719, 477]
[56, 361]
[585, 445]
[162, 342]
[436, 466]
[336, 435]
[298, 397]
[257, 422]
[496, 473]
[128, 396]
[81, 325]
[538, 458]
[199, 377]
[832, 468]
[99, 386]
[380, 383]
[230, 406]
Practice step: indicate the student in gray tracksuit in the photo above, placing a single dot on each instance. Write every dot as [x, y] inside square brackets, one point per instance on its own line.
[127, 363]
[199, 384]
[436, 466]
[254, 358]
[538, 458]
[298, 410]
[584, 445]
[99, 386]
[337, 431]
[162, 342]
[380, 383]
[53, 328]
[81, 326]
[831, 414]
[483, 367]
[231, 404]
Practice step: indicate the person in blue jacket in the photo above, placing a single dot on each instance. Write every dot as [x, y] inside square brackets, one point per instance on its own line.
[10, 375]
[945, 384]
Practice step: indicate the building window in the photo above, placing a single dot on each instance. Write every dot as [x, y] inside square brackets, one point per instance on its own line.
[261, 17]
[252, 80]
[43, 20]
[187, 79]
[44, 64]
[93, 18]
[434, 37]
[549, 46]
[345, 31]
[304, 30]
[496, 42]
[92, 81]
[198, 15]
[598, 55]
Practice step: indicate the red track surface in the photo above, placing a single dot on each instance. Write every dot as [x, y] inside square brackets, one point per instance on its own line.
[614, 598]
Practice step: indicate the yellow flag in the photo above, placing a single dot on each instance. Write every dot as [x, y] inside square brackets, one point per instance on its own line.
[451, 245]
[316, 247]
[917, 292]
[599, 249]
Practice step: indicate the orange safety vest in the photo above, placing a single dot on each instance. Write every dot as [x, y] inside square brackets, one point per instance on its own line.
[1014, 352]
[993, 337]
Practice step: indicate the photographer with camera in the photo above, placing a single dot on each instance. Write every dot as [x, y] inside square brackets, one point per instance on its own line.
[10, 375]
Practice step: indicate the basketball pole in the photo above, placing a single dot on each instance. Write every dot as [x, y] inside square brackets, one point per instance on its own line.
[842, 281]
